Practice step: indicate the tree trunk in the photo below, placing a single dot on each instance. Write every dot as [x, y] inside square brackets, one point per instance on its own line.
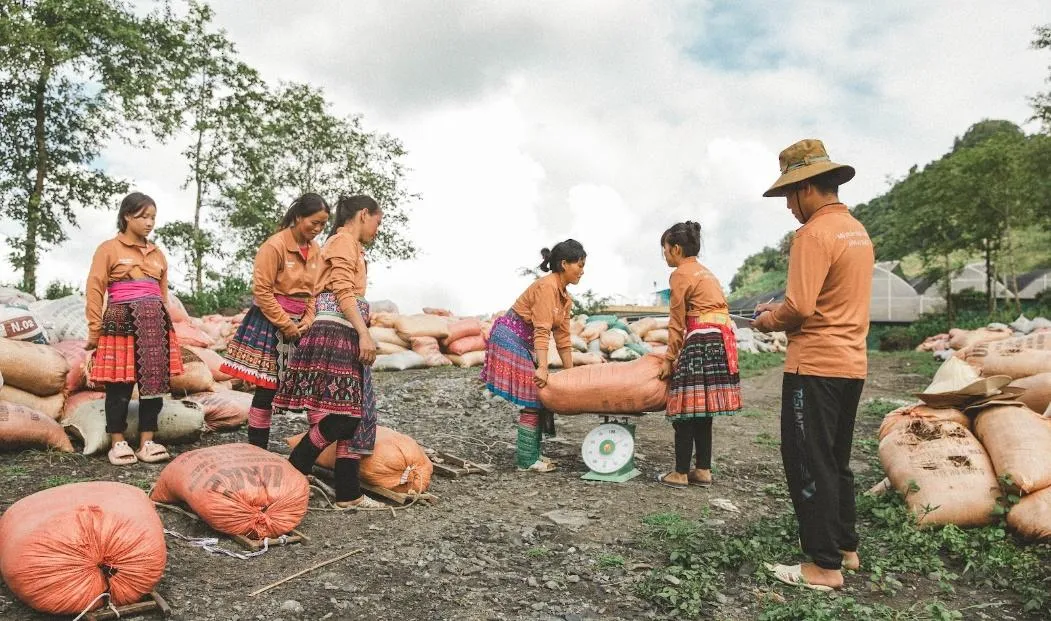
[30, 259]
[198, 259]
[990, 294]
[948, 292]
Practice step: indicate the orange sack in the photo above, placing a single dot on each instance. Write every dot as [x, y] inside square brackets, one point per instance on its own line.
[924, 412]
[462, 328]
[942, 471]
[77, 357]
[225, 409]
[467, 344]
[213, 360]
[397, 463]
[63, 547]
[22, 427]
[1018, 441]
[614, 388]
[1031, 517]
[238, 489]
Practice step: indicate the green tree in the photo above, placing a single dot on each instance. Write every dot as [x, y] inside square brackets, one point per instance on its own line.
[1041, 102]
[222, 95]
[297, 146]
[73, 74]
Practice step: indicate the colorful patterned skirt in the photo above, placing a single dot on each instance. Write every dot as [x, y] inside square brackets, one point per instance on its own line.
[137, 345]
[510, 363]
[705, 381]
[258, 353]
[325, 376]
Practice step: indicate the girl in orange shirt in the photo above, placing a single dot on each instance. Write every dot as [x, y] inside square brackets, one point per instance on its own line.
[131, 333]
[286, 268]
[329, 375]
[701, 359]
[516, 354]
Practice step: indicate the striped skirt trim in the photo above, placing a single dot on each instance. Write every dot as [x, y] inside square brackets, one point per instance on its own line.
[702, 383]
[137, 346]
[258, 353]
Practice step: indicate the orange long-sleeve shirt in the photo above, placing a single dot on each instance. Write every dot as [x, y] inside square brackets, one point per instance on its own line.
[344, 270]
[280, 269]
[695, 291]
[546, 305]
[117, 259]
[826, 308]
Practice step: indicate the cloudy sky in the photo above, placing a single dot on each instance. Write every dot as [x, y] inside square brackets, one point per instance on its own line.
[530, 122]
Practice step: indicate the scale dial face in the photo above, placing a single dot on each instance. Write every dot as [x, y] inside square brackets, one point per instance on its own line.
[607, 448]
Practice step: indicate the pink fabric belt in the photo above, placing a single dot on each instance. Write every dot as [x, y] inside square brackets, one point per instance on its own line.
[131, 290]
[291, 305]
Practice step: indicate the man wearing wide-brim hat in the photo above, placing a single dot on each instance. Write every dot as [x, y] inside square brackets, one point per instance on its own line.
[826, 317]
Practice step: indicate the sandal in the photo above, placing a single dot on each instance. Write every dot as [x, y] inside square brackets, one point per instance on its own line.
[663, 480]
[150, 452]
[698, 480]
[540, 466]
[121, 454]
[361, 504]
[793, 575]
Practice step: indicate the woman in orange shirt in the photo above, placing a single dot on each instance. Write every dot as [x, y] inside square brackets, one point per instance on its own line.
[516, 359]
[701, 359]
[131, 333]
[286, 268]
[329, 375]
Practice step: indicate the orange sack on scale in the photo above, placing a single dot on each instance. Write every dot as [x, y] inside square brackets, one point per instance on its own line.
[63, 547]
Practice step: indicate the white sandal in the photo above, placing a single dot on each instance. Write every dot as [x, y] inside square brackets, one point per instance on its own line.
[121, 454]
[151, 453]
[362, 504]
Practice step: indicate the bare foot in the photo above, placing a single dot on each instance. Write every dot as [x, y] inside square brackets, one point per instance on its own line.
[851, 560]
[824, 577]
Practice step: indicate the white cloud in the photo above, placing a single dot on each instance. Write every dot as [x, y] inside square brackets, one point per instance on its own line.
[527, 123]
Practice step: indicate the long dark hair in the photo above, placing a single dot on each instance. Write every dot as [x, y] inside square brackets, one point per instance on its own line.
[349, 206]
[132, 204]
[569, 251]
[686, 235]
[304, 207]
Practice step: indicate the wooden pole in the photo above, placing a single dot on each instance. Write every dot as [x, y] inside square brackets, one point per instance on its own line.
[307, 570]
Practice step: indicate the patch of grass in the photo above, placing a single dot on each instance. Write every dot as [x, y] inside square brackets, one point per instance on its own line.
[752, 413]
[751, 364]
[143, 484]
[878, 408]
[702, 562]
[538, 552]
[611, 560]
[14, 472]
[767, 440]
[918, 362]
[60, 479]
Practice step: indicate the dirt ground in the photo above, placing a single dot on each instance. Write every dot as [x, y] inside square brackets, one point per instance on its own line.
[486, 550]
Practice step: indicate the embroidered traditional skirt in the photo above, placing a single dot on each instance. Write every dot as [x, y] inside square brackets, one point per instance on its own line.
[705, 381]
[326, 377]
[509, 361]
[258, 352]
[137, 345]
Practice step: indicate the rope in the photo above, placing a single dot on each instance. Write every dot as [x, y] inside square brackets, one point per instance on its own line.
[91, 606]
[211, 544]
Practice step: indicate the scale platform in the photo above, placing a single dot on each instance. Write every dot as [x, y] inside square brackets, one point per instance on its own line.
[609, 451]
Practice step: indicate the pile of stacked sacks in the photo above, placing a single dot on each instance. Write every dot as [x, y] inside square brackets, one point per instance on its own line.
[982, 432]
[46, 387]
[945, 344]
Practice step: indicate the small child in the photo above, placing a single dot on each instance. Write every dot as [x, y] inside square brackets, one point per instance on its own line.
[701, 359]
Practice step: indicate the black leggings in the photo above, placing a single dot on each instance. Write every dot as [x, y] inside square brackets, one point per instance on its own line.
[118, 398]
[689, 434]
[263, 398]
[332, 428]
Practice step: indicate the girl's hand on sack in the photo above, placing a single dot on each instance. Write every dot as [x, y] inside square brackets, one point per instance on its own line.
[367, 355]
[665, 370]
[540, 378]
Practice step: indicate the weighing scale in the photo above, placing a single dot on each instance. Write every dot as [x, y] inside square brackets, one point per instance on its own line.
[609, 451]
